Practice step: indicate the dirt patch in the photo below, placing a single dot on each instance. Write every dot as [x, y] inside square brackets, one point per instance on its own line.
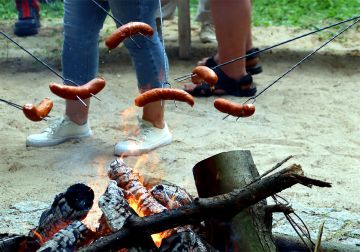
[313, 114]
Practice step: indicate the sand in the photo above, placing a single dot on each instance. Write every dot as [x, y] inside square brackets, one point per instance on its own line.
[313, 114]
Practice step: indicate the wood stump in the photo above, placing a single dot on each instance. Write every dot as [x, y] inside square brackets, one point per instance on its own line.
[249, 230]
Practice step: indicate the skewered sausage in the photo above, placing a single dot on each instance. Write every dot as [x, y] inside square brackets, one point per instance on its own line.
[233, 108]
[127, 30]
[204, 74]
[39, 112]
[158, 94]
[73, 92]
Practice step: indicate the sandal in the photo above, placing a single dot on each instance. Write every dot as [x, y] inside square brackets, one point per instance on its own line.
[252, 62]
[226, 86]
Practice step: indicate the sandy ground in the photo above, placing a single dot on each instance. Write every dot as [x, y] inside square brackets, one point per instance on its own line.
[313, 113]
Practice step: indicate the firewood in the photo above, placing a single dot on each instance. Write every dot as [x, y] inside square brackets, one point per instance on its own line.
[68, 239]
[248, 230]
[171, 196]
[14, 242]
[67, 207]
[115, 210]
[184, 242]
[222, 206]
[134, 189]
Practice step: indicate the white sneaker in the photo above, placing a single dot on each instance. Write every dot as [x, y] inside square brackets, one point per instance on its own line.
[207, 33]
[147, 139]
[59, 131]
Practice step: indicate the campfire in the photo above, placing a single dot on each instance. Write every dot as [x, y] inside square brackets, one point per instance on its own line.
[138, 215]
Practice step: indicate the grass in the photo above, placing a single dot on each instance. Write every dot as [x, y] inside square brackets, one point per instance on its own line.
[53, 10]
[298, 13]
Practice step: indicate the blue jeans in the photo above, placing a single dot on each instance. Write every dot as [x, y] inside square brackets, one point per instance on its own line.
[83, 21]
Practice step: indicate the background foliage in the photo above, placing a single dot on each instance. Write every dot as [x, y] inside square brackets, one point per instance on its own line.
[301, 13]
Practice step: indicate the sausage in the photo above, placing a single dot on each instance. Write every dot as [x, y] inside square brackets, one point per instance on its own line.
[39, 112]
[127, 30]
[204, 74]
[158, 94]
[72, 92]
[233, 108]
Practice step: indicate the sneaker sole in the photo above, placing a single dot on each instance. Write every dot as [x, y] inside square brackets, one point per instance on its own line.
[140, 152]
[56, 141]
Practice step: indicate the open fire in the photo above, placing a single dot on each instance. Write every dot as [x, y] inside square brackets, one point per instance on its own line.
[140, 216]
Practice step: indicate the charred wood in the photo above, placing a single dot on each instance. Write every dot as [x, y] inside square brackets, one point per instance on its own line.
[184, 242]
[226, 205]
[67, 207]
[13, 242]
[68, 239]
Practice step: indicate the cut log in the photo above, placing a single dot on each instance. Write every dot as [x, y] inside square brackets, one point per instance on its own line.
[115, 207]
[13, 242]
[185, 241]
[222, 206]
[67, 207]
[248, 230]
[68, 239]
[116, 211]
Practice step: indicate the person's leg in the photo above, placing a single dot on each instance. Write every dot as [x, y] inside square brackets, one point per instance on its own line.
[149, 60]
[28, 21]
[207, 32]
[232, 22]
[80, 65]
[150, 63]
[232, 27]
[80, 54]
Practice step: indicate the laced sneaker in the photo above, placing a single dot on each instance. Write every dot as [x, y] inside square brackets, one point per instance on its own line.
[59, 131]
[207, 33]
[147, 138]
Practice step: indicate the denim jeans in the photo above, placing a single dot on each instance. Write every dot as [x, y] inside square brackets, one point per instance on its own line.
[83, 21]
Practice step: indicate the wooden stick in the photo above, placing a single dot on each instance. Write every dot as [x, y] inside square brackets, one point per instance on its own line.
[222, 206]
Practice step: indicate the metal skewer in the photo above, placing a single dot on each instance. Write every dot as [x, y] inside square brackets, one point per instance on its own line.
[187, 76]
[301, 61]
[119, 22]
[47, 66]
[12, 104]
[17, 106]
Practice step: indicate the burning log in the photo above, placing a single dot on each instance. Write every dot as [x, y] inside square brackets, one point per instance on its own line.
[185, 241]
[171, 196]
[67, 207]
[12, 242]
[115, 208]
[73, 236]
[135, 191]
[116, 211]
[222, 206]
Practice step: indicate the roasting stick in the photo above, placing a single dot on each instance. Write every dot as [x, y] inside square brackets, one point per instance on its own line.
[47, 66]
[301, 61]
[17, 106]
[12, 104]
[187, 76]
[118, 21]
[253, 98]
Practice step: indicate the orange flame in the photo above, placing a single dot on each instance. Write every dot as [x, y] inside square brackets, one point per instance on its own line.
[38, 237]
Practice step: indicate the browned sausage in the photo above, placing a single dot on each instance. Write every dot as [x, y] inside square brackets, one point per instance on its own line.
[233, 108]
[158, 94]
[126, 31]
[71, 92]
[204, 74]
[39, 112]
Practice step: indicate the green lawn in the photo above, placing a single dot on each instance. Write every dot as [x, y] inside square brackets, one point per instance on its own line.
[300, 13]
